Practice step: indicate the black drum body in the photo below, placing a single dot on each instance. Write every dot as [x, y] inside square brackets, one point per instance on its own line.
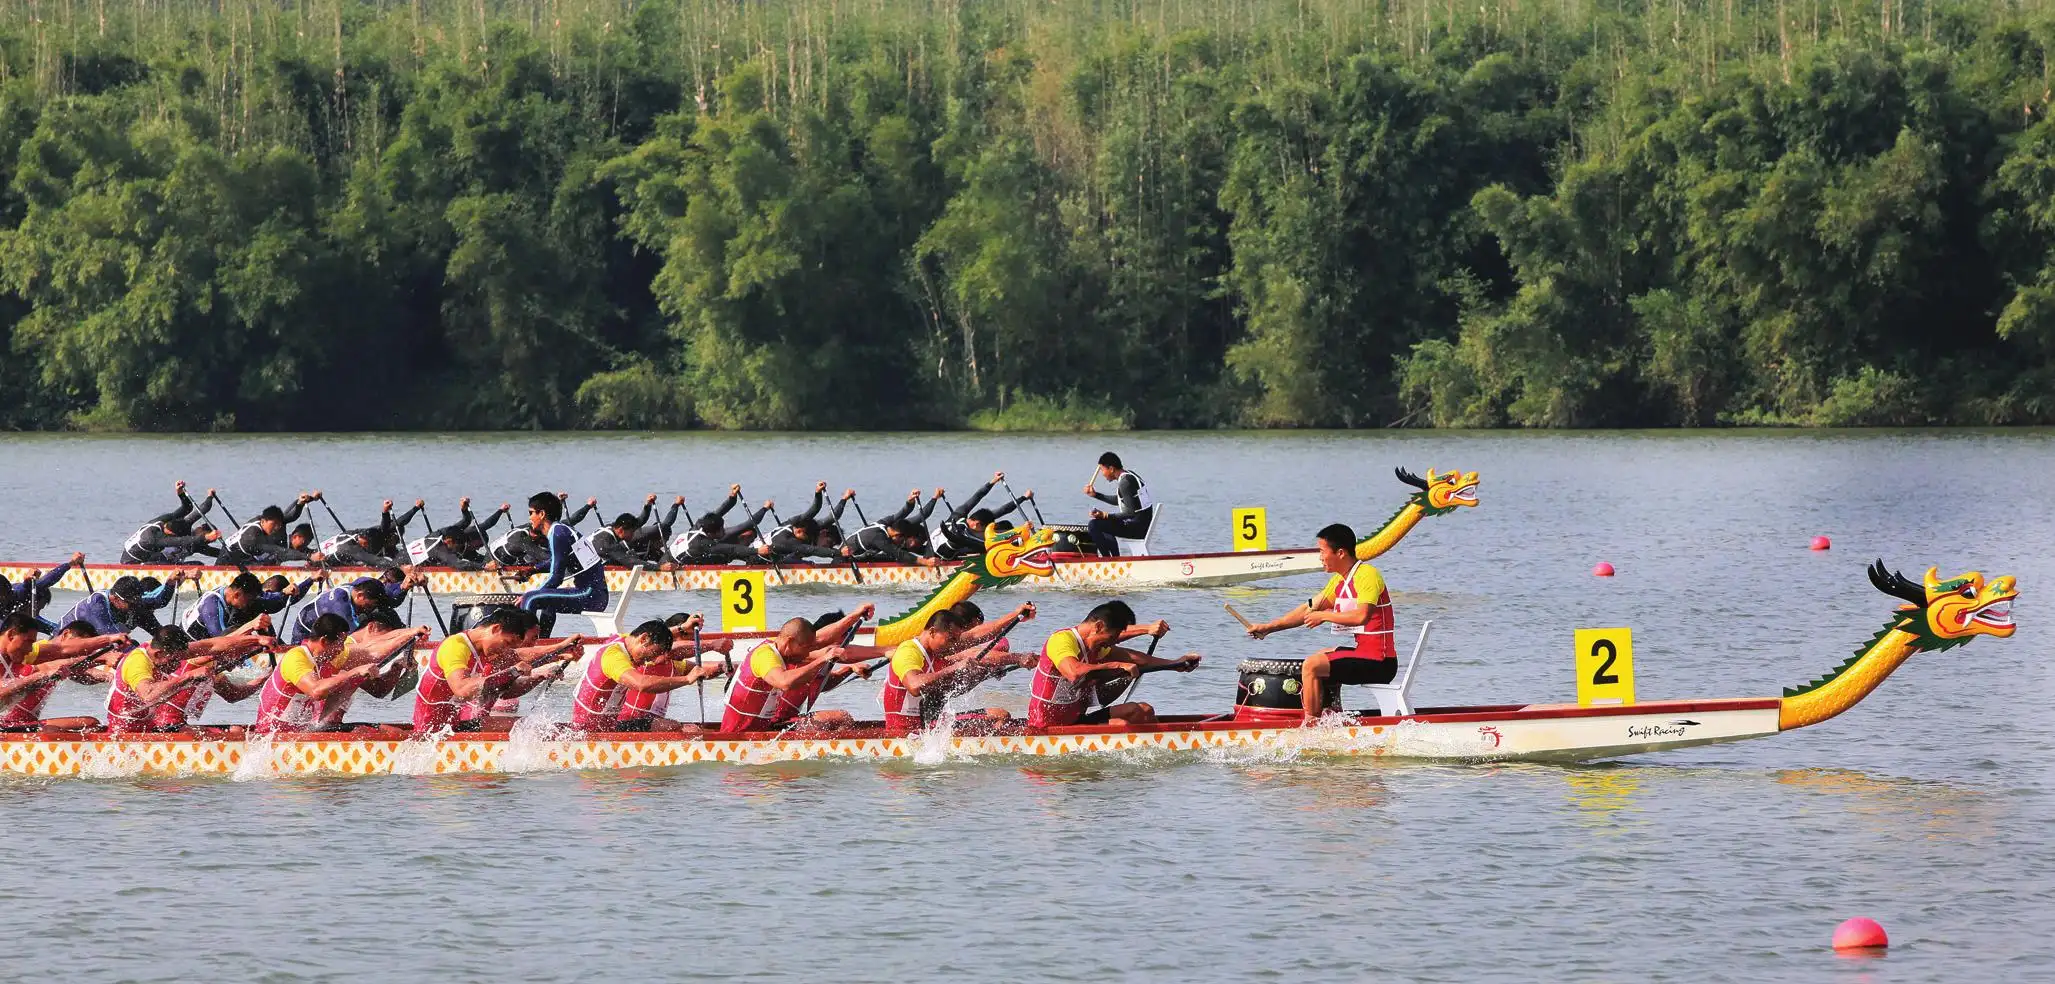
[1271, 687]
[1072, 539]
[469, 612]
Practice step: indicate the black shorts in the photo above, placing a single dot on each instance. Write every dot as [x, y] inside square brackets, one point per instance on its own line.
[460, 727]
[1356, 671]
[1100, 716]
[634, 724]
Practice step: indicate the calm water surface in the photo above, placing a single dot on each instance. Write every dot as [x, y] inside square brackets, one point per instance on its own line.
[1927, 808]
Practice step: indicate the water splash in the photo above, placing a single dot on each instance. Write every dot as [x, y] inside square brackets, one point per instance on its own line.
[931, 745]
[418, 756]
[259, 759]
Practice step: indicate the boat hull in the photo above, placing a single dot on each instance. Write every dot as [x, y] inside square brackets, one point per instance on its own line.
[1109, 573]
[1542, 733]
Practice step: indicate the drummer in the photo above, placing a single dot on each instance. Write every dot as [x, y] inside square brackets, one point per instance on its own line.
[1356, 604]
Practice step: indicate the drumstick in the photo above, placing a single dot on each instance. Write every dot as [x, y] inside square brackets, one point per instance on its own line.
[1239, 617]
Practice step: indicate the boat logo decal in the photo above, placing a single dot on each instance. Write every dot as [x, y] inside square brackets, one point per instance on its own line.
[1487, 731]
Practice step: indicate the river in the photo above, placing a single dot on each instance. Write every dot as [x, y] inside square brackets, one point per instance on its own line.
[1926, 808]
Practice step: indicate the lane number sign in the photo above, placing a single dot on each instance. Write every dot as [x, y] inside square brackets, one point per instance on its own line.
[1605, 666]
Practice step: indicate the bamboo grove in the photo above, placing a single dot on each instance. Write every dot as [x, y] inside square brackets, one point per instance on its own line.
[1027, 214]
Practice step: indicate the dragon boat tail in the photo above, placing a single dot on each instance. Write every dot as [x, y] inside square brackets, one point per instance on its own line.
[1938, 615]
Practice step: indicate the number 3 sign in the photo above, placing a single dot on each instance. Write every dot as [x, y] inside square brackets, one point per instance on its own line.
[742, 601]
[1605, 666]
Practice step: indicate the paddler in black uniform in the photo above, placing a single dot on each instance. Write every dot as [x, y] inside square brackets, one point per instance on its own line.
[963, 533]
[896, 542]
[1135, 507]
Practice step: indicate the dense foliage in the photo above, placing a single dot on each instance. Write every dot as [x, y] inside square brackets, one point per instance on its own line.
[337, 214]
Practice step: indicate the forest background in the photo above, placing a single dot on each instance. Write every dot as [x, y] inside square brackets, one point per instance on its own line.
[1025, 214]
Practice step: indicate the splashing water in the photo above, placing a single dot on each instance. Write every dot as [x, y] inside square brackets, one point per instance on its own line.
[418, 756]
[931, 745]
[259, 760]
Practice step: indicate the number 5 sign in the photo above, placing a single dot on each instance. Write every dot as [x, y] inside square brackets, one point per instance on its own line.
[742, 601]
[1251, 532]
[1605, 666]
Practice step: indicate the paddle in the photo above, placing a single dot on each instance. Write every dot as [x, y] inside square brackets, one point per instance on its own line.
[1031, 503]
[827, 674]
[433, 607]
[1136, 680]
[696, 652]
[337, 520]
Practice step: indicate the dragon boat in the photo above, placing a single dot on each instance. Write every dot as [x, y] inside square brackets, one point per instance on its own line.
[1435, 495]
[1937, 615]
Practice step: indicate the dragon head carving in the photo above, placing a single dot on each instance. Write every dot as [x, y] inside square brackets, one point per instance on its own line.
[1441, 493]
[1021, 552]
[1943, 614]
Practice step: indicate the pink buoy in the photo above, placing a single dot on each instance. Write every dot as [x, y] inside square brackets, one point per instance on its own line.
[1860, 933]
[1602, 570]
[1822, 543]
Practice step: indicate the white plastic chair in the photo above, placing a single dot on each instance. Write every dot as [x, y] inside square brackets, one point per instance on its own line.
[1140, 548]
[609, 622]
[1394, 699]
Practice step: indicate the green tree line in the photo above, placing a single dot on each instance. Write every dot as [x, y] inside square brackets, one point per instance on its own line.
[1031, 214]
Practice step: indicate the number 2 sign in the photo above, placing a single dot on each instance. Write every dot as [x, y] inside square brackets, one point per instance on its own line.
[1605, 666]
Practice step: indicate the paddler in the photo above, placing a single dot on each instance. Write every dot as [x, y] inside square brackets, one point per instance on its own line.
[366, 645]
[1134, 507]
[774, 684]
[577, 579]
[31, 668]
[240, 604]
[1355, 603]
[31, 595]
[637, 663]
[644, 710]
[320, 670]
[611, 543]
[370, 547]
[898, 541]
[466, 670]
[1079, 662]
[173, 537]
[795, 540]
[647, 542]
[963, 533]
[163, 674]
[708, 542]
[118, 609]
[935, 665]
[353, 601]
[263, 540]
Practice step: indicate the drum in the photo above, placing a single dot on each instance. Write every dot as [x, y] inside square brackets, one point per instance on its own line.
[1269, 692]
[1072, 539]
[470, 611]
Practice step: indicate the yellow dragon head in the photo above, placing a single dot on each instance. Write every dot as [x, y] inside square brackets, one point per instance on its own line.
[1014, 554]
[1943, 614]
[1441, 493]
[1010, 556]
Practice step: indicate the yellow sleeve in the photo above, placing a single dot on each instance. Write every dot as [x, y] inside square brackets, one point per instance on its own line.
[1062, 648]
[1328, 593]
[452, 655]
[614, 661]
[1369, 584]
[35, 653]
[296, 665]
[136, 669]
[765, 660]
[908, 659]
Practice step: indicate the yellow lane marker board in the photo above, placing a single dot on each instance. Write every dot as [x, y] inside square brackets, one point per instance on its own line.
[1251, 529]
[1605, 666]
[742, 601]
